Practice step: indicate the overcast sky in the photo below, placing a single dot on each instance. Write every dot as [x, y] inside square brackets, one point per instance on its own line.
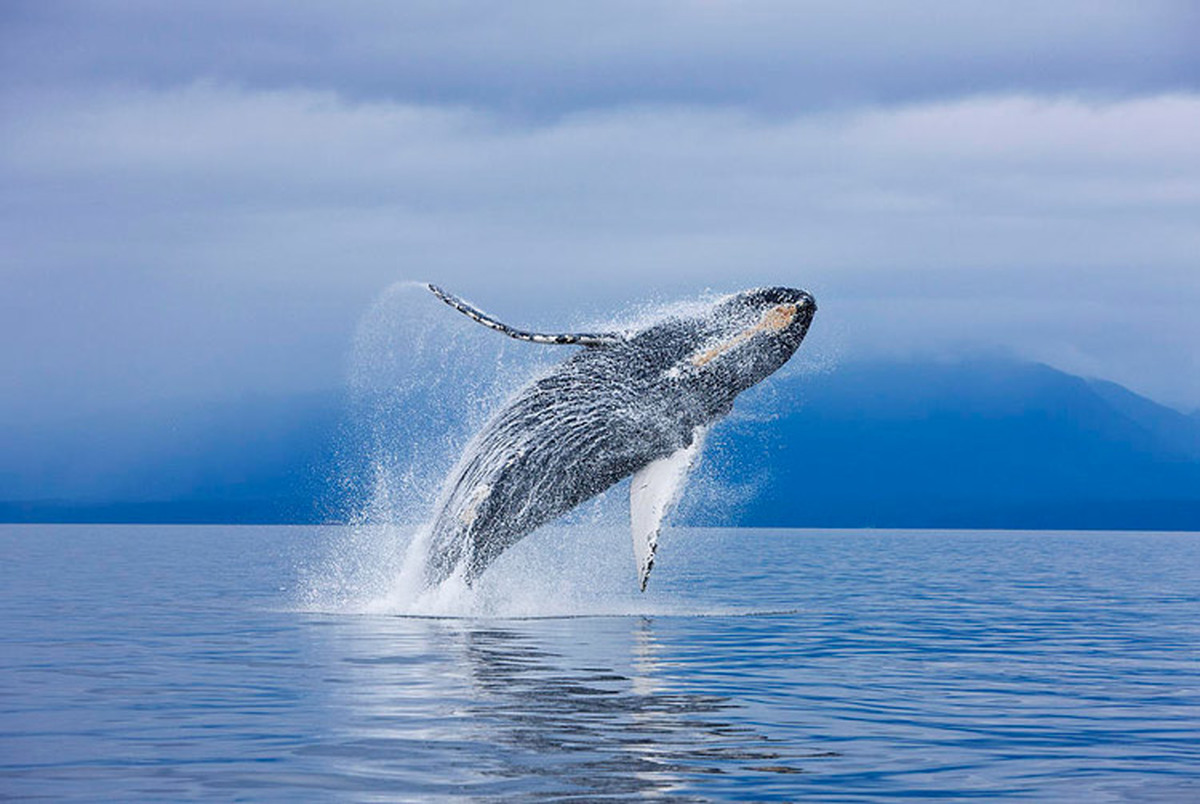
[201, 199]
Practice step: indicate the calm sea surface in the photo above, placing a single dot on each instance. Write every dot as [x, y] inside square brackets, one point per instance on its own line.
[209, 662]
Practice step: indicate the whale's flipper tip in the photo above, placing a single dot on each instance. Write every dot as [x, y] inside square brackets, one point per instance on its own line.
[644, 573]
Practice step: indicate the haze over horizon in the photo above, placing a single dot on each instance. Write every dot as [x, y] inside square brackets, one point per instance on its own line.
[202, 201]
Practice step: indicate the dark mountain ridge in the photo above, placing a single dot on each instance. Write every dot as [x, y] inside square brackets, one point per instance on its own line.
[969, 444]
[985, 444]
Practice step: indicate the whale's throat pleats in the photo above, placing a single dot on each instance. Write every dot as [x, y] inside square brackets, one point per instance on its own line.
[655, 490]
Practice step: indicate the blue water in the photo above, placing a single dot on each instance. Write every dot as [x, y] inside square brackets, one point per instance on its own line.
[202, 662]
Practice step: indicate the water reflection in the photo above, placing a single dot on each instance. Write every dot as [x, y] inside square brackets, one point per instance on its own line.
[573, 707]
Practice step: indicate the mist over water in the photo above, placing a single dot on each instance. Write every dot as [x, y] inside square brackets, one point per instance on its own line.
[421, 380]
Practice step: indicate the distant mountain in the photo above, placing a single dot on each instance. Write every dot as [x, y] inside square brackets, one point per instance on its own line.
[972, 444]
[254, 459]
[983, 444]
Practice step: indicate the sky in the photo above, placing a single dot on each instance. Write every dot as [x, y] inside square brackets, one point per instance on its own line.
[200, 200]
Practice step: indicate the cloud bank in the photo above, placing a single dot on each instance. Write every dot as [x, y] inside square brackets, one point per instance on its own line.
[202, 200]
[548, 57]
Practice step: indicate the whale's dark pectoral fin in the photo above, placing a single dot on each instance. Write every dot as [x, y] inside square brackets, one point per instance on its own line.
[566, 338]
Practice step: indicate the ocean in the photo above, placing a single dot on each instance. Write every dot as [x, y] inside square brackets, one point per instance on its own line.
[276, 663]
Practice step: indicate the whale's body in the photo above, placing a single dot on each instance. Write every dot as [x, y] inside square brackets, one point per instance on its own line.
[630, 403]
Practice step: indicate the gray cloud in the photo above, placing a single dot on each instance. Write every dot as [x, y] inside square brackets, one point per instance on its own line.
[211, 238]
[202, 198]
[549, 58]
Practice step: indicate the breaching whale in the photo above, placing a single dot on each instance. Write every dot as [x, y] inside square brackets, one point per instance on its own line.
[629, 403]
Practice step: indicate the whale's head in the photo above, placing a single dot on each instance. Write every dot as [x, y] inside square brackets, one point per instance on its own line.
[748, 336]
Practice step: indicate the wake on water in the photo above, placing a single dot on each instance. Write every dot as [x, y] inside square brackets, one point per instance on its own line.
[421, 383]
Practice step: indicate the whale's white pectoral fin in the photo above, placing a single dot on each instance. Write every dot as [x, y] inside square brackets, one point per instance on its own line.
[656, 488]
[567, 338]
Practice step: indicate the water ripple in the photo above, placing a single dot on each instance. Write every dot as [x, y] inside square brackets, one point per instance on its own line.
[143, 663]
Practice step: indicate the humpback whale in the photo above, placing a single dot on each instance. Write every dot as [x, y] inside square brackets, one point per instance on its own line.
[631, 403]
